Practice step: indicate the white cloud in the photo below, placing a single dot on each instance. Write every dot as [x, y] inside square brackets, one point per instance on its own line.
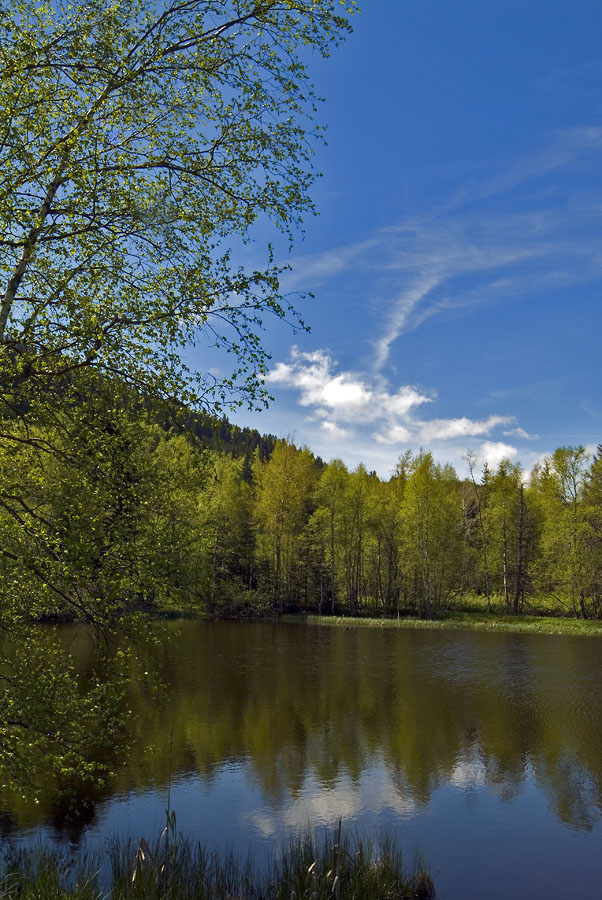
[343, 397]
[345, 394]
[400, 403]
[493, 452]
[334, 430]
[444, 429]
[310, 374]
[395, 434]
[521, 433]
[355, 414]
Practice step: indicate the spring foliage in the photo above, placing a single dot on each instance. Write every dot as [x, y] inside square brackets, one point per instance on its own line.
[141, 143]
[138, 141]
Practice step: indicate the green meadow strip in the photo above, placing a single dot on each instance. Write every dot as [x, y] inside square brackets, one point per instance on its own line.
[467, 621]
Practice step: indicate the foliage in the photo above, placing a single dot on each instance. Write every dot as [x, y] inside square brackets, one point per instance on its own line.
[137, 141]
[89, 526]
[332, 540]
[47, 728]
[559, 490]
[283, 487]
[140, 144]
[432, 528]
[228, 539]
[162, 524]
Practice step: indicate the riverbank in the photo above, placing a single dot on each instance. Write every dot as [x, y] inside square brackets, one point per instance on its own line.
[462, 620]
[174, 869]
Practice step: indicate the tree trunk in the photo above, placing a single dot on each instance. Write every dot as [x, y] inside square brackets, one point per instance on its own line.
[332, 590]
[278, 597]
[29, 247]
[506, 586]
[321, 581]
[519, 554]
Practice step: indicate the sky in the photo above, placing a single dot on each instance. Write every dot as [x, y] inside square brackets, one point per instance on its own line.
[456, 261]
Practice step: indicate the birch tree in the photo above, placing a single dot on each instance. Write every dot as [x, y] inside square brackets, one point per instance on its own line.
[141, 142]
[559, 487]
[284, 487]
[138, 141]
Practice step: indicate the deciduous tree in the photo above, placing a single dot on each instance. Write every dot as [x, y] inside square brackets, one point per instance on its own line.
[137, 140]
[140, 143]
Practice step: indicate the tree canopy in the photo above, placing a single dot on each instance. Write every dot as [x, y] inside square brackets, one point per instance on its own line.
[138, 140]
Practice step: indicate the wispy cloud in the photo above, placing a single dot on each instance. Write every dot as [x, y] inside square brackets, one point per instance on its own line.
[538, 236]
[521, 433]
[308, 272]
[401, 312]
[564, 146]
[468, 251]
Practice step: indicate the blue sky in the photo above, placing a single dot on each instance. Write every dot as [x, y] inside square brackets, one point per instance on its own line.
[457, 258]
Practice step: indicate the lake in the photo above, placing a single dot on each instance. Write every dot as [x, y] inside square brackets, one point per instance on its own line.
[483, 750]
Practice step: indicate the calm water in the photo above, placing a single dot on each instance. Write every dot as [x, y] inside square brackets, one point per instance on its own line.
[483, 750]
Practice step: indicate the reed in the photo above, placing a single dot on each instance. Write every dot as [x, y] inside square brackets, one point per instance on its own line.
[309, 866]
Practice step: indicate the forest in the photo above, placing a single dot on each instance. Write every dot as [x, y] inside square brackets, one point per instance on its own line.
[127, 512]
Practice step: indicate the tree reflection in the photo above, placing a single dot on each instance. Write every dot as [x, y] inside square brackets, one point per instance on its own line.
[296, 702]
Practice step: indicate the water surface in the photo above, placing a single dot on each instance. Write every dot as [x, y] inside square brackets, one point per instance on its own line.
[484, 750]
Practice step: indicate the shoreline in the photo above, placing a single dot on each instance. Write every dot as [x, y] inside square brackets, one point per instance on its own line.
[460, 621]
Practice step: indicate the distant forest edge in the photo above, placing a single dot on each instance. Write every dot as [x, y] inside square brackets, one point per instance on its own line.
[219, 434]
[128, 511]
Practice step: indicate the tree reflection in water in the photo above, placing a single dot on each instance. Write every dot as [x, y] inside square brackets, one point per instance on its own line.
[294, 702]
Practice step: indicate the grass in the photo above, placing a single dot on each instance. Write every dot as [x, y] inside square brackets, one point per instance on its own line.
[539, 615]
[307, 868]
[465, 619]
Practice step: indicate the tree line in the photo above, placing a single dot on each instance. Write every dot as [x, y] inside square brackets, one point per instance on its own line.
[320, 537]
[105, 512]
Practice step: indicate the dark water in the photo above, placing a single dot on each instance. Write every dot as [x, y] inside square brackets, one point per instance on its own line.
[483, 750]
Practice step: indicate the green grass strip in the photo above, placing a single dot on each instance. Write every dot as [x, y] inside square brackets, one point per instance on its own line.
[466, 621]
